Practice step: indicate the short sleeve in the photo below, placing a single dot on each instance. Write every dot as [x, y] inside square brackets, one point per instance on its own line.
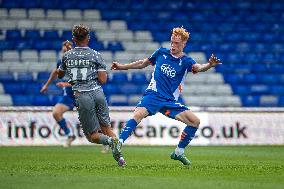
[100, 63]
[154, 56]
[190, 62]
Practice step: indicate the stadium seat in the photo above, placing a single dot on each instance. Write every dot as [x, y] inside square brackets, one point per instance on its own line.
[32, 88]
[6, 77]
[13, 34]
[250, 101]
[139, 78]
[130, 89]
[40, 100]
[32, 34]
[119, 78]
[5, 100]
[13, 88]
[25, 77]
[252, 52]
[118, 100]
[43, 76]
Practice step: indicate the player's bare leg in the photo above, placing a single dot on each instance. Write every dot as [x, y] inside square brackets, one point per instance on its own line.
[57, 112]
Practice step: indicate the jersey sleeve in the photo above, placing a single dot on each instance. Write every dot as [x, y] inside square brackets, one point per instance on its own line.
[190, 62]
[154, 56]
[100, 63]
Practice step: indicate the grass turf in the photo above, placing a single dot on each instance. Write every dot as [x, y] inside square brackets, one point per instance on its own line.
[148, 167]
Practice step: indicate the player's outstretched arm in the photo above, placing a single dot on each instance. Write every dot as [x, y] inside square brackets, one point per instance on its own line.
[139, 64]
[62, 84]
[212, 62]
[51, 78]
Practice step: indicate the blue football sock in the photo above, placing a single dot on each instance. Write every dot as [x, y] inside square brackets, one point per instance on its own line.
[186, 136]
[63, 126]
[127, 130]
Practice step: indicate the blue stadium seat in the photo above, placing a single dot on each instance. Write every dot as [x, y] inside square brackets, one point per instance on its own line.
[25, 77]
[233, 78]
[13, 34]
[32, 34]
[250, 101]
[259, 89]
[268, 79]
[22, 100]
[10, 4]
[40, 100]
[43, 45]
[139, 78]
[13, 88]
[30, 4]
[43, 76]
[32, 88]
[119, 78]
[50, 34]
[259, 68]
[277, 90]
[99, 46]
[281, 101]
[85, 4]
[54, 90]
[7, 45]
[66, 35]
[24, 44]
[250, 79]
[110, 89]
[6, 77]
[49, 4]
[114, 46]
[241, 90]
[72, 4]
[130, 89]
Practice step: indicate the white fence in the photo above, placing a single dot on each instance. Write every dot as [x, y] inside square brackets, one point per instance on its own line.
[219, 126]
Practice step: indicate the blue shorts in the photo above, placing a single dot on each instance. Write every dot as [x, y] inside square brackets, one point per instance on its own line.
[154, 103]
[67, 101]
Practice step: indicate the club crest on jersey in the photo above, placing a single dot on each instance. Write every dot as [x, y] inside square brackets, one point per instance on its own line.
[168, 70]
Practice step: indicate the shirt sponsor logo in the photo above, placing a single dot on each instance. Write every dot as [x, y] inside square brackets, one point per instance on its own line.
[168, 70]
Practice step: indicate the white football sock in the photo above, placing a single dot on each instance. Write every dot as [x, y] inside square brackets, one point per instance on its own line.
[179, 151]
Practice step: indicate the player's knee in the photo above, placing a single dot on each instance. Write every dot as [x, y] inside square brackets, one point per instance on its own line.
[196, 122]
[55, 114]
[138, 117]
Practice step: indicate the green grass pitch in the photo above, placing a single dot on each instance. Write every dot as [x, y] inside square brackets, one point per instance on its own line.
[148, 167]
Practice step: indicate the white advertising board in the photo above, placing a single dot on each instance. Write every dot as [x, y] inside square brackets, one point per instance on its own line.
[216, 128]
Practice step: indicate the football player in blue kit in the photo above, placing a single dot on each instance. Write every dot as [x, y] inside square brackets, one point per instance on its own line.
[66, 102]
[171, 67]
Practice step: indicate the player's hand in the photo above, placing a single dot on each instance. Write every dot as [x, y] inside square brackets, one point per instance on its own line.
[214, 60]
[67, 46]
[63, 84]
[115, 66]
[194, 68]
[43, 89]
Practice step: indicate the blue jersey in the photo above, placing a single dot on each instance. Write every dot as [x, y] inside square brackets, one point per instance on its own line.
[169, 73]
[67, 90]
